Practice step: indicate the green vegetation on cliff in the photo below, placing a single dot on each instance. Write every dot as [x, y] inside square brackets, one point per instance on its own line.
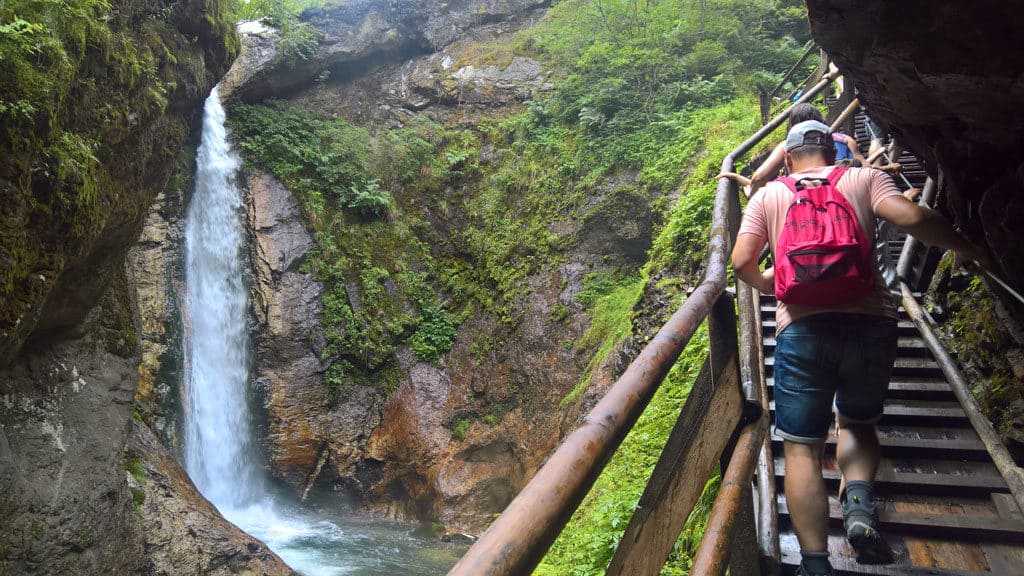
[86, 88]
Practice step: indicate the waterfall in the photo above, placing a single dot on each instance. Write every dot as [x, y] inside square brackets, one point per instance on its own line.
[219, 452]
[219, 456]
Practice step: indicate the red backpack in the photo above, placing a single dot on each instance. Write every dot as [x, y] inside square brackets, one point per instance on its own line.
[822, 257]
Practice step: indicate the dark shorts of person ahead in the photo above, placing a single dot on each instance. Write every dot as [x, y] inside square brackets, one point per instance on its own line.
[845, 357]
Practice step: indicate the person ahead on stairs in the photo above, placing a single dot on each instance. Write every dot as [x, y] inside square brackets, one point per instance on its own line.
[836, 327]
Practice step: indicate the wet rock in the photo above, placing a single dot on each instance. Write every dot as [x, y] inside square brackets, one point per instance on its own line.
[307, 431]
[154, 266]
[258, 49]
[66, 411]
[184, 533]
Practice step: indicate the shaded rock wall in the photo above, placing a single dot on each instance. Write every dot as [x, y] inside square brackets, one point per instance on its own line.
[69, 348]
[947, 80]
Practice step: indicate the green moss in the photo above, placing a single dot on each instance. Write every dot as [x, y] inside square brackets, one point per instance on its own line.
[137, 469]
[610, 302]
[460, 427]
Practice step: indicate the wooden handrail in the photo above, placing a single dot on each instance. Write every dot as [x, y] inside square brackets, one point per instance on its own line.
[521, 535]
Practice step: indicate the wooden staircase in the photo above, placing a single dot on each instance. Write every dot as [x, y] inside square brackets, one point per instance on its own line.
[944, 507]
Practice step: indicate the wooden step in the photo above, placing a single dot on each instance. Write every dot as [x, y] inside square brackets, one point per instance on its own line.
[903, 327]
[842, 559]
[903, 441]
[903, 366]
[906, 345]
[922, 476]
[953, 526]
[918, 413]
[907, 388]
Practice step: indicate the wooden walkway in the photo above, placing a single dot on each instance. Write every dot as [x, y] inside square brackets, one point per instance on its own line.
[944, 507]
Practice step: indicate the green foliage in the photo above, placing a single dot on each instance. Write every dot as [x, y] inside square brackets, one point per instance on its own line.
[369, 201]
[704, 137]
[137, 469]
[460, 427]
[586, 545]
[610, 303]
[434, 335]
[297, 41]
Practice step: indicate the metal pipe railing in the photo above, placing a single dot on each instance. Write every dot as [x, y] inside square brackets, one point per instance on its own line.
[1012, 474]
[518, 539]
[712, 556]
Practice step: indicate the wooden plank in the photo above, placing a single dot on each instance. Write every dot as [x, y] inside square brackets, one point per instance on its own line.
[907, 386]
[901, 364]
[844, 564]
[954, 550]
[937, 520]
[956, 447]
[1005, 558]
[706, 423]
[902, 342]
[921, 408]
[960, 475]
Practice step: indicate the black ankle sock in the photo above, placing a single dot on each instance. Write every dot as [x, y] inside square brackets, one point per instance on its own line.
[859, 491]
[816, 563]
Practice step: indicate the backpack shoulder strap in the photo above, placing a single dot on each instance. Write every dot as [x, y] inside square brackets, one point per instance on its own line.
[836, 174]
[789, 181]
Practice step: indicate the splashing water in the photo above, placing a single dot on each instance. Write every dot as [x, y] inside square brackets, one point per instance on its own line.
[219, 452]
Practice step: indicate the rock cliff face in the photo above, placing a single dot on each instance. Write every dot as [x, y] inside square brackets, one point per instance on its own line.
[354, 37]
[184, 533]
[68, 338]
[946, 82]
[452, 442]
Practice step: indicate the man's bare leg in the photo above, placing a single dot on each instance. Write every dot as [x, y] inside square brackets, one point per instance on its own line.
[806, 495]
[857, 454]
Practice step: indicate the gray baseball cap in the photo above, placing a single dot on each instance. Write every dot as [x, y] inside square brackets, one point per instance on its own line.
[809, 133]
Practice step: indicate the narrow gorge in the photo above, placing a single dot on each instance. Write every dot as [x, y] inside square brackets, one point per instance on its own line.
[315, 287]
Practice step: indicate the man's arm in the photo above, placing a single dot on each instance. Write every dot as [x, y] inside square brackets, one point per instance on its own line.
[768, 169]
[929, 227]
[744, 262]
[851, 143]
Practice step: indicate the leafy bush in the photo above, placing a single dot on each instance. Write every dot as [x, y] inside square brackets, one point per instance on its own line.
[434, 335]
[369, 201]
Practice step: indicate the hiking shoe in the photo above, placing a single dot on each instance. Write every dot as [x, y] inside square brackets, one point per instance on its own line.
[801, 570]
[860, 519]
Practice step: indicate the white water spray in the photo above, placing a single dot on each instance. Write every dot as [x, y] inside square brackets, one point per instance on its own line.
[219, 455]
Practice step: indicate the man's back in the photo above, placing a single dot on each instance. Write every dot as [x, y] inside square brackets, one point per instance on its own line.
[864, 188]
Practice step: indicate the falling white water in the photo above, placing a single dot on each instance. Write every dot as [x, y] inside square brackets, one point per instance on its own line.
[219, 455]
[218, 427]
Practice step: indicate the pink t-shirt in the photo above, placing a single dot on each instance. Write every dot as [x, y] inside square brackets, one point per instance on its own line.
[865, 188]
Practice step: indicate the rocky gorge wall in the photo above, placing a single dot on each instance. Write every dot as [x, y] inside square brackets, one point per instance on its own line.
[92, 128]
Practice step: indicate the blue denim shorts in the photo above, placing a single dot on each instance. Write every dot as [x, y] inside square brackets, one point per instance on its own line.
[845, 357]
